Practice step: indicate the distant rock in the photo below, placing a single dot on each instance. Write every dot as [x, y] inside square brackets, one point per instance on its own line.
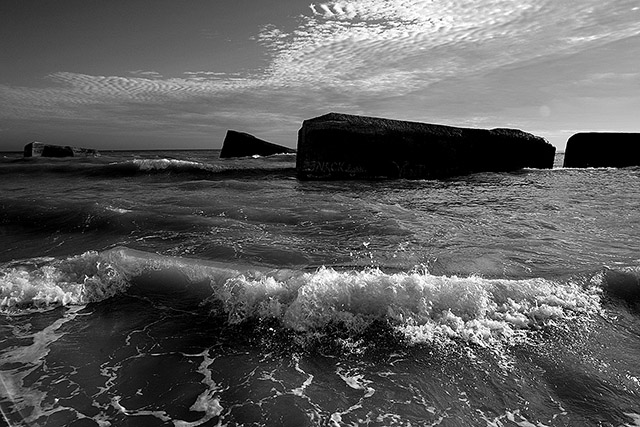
[602, 149]
[40, 149]
[342, 146]
[240, 144]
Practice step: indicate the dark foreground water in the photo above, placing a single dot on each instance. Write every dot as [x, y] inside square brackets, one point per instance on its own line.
[174, 288]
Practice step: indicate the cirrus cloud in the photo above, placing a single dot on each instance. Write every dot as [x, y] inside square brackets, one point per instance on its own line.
[354, 54]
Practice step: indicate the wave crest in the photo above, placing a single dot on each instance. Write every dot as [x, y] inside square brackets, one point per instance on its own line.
[167, 168]
[45, 282]
[423, 307]
[416, 305]
[164, 164]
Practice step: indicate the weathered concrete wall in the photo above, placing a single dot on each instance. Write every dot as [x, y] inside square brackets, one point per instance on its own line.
[341, 146]
[602, 149]
[241, 144]
[40, 149]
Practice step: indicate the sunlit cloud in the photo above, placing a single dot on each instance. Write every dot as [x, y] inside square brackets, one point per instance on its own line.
[327, 11]
[349, 53]
[405, 45]
[146, 74]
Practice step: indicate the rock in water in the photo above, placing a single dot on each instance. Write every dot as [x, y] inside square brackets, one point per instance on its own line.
[240, 144]
[602, 149]
[342, 146]
[40, 149]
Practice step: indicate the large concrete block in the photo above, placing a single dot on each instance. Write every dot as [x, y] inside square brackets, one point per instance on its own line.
[241, 144]
[602, 149]
[342, 146]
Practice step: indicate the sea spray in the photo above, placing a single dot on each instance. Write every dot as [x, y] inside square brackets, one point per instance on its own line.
[423, 307]
[218, 333]
[46, 283]
[420, 306]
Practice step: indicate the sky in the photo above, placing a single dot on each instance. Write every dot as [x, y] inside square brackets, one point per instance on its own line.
[177, 74]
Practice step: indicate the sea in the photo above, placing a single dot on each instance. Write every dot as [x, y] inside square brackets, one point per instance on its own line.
[175, 288]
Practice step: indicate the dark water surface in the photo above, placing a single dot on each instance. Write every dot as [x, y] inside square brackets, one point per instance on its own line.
[175, 288]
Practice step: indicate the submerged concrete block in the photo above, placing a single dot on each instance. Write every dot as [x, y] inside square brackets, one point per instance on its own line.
[342, 146]
[602, 149]
[40, 149]
[241, 144]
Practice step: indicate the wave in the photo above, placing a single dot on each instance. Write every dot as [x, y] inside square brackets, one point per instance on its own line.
[281, 165]
[159, 167]
[416, 305]
[622, 284]
[68, 216]
[46, 282]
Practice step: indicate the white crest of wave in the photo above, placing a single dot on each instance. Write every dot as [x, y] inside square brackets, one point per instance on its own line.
[162, 164]
[46, 282]
[421, 306]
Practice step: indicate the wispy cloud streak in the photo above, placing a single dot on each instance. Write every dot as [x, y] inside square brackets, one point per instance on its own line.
[403, 45]
[359, 51]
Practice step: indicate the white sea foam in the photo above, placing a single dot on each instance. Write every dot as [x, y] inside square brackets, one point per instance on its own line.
[208, 401]
[31, 403]
[44, 283]
[161, 415]
[174, 165]
[420, 306]
[118, 210]
[77, 280]
[162, 164]
[423, 307]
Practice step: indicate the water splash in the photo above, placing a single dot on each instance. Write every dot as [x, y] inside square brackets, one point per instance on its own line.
[419, 306]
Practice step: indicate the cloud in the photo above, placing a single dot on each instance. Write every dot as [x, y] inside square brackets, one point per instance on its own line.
[327, 11]
[377, 46]
[147, 74]
[405, 45]
[350, 54]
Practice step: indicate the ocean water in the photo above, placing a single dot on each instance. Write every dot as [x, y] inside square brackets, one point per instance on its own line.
[177, 289]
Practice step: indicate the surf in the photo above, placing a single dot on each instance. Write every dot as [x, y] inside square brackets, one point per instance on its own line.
[418, 306]
[158, 167]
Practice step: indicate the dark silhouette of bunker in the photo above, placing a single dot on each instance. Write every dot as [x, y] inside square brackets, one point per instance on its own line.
[602, 149]
[241, 144]
[40, 149]
[342, 146]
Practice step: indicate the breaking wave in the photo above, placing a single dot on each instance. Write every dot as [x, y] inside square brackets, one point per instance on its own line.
[159, 167]
[419, 306]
